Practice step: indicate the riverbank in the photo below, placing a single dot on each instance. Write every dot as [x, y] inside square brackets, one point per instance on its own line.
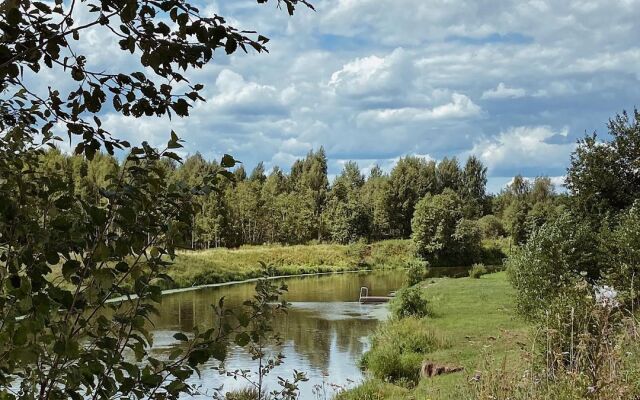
[204, 267]
[221, 265]
[473, 323]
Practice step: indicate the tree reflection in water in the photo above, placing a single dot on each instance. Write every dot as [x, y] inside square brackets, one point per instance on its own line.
[324, 331]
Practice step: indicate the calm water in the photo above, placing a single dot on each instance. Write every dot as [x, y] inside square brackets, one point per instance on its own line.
[324, 332]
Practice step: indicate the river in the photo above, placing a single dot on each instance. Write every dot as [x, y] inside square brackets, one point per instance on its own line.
[325, 331]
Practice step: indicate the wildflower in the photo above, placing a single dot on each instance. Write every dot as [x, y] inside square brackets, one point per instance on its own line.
[606, 296]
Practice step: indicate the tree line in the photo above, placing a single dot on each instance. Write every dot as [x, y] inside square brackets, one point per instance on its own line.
[302, 205]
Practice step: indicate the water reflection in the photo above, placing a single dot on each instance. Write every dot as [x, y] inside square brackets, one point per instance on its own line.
[324, 332]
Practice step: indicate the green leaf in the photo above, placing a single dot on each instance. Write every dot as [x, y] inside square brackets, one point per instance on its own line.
[104, 278]
[228, 161]
[231, 45]
[20, 336]
[242, 339]
[181, 337]
[218, 351]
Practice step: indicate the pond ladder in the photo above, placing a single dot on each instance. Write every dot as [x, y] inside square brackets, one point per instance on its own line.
[364, 293]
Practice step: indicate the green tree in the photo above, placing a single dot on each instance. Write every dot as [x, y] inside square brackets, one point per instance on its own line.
[604, 176]
[258, 174]
[347, 217]
[440, 233]
[410, 180]
[449, 175]
[314, 184]
[60, 338]
[376, 197]
[473, 187]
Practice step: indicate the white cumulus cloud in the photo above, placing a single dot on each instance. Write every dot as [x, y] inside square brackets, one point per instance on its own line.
[520, 149]
[502, 91]
[460, 106]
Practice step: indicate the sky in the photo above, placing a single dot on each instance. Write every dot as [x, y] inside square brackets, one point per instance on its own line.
[513, 82]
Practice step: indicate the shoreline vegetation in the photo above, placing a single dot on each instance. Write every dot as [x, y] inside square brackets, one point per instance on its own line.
[471, 322]
[222, 265]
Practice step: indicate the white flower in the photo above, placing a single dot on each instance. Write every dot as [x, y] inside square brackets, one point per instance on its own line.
[606, 296]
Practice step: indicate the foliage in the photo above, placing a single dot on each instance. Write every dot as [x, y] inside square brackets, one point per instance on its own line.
[410, 180]
[417, 271]
[590, 352]
[472, 316]
[491, 227]
[474, 182]
[410, 302]
[398, 349]
[440, 232]
[112, 228]
[468, 242]
[242, 394]
[259, 208]
[575, 278]
[477, 270]
[554, 258]
[604, 175]
[526, 205]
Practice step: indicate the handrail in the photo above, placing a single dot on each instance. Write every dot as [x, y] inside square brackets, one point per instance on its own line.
[364, 292]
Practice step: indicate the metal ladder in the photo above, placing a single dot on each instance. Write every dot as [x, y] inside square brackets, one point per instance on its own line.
[364, 292]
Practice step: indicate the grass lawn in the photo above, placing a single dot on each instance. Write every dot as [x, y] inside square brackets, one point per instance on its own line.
[477, 319]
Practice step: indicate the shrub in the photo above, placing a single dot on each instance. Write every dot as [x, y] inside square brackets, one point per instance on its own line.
[554, 258]
[417, 271]
[491, 227]
[373, 389]
[477, 270]
[387, 363]
[242, 394]
[410, 302]
[398, 348]
[441, 234]
[434, 224]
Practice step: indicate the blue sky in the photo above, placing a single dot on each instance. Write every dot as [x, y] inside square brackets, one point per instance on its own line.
[513, 82]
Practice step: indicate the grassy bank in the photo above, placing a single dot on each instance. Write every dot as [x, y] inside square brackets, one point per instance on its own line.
[473, 320]
[225, 265]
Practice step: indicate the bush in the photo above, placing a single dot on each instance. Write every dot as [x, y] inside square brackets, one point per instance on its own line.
[387, 363]
[434, 224]
[398, 348]
[477, 270]
[417, 271]
[242, 394]
[441, 234]
[410, 302]
[554, 258]
[491, 227]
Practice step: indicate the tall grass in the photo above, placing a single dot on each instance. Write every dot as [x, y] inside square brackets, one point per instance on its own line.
[225, 265]
[398, 348]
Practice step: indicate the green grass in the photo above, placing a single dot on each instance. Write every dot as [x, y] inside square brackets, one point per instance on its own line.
[477, 318]
[225, 265]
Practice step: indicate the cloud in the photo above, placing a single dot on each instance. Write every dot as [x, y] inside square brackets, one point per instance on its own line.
[460, 106]
[503, 92]
[523, 150]
[236, 96]
[407, 77]
[373, 75]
